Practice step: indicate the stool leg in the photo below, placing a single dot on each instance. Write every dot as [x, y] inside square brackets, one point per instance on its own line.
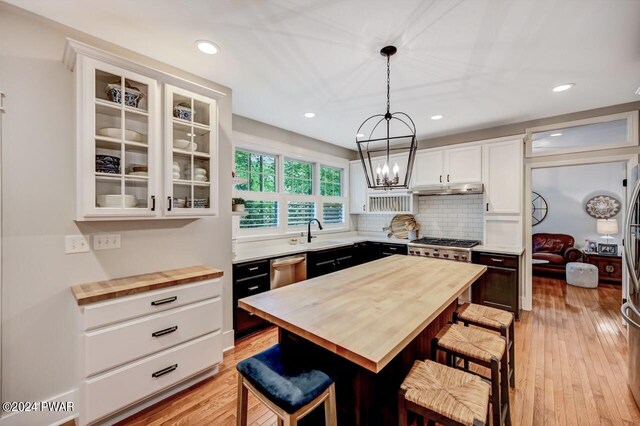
[330, 417]
[402, 410]
[466, 363]
[495, 392]
[504, 387]
[280, 422]
[512, 353]
[290, 420]
[241, 417]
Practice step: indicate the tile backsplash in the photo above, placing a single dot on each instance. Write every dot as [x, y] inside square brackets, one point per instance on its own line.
[451, 216]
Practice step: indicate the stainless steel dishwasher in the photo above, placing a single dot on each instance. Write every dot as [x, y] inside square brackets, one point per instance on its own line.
[288, 270]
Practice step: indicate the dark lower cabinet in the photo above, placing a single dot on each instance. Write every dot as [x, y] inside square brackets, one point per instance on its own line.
[324, 262]
[499, 287]
[388, 249]
[248, 279]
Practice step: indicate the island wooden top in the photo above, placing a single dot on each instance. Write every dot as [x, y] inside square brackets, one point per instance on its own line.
[119, 287]
[368, 313]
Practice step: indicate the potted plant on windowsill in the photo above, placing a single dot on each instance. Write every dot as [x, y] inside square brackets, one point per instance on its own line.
[237, 204]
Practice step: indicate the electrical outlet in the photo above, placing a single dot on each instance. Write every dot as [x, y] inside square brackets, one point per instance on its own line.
[75, 244]
[106, 241]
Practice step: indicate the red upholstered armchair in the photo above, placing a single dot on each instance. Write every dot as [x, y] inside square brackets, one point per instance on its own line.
[557, 249]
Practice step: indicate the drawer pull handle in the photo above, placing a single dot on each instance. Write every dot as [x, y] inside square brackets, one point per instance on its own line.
[493, 259]
[164, 371]
[165, 331]
[255, 268]
[255, 287]
[164, 301]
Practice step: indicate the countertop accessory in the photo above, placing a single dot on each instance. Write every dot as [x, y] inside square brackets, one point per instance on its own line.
[602, 206]
[398, 227]
[132, 95]
[378, 141]
[183, 111]
[237, 204]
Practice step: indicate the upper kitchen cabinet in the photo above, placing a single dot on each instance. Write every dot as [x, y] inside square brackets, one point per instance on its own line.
[191, 154]
[428, 168]
[121, 171]
[118, 147]
[441, 167]
[358, 199]
[503, 177]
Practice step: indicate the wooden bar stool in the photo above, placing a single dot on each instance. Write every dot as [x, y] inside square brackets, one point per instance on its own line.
[445, 395]
[286, 387]
[495, 320]
[482, 348]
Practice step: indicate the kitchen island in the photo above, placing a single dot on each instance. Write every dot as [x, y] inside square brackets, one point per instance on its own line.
[367, 325]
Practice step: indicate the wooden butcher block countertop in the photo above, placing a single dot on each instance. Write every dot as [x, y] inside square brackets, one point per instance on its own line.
[119, 287]
[367, 313]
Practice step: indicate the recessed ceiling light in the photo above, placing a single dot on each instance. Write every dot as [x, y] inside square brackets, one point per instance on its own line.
[309, 114]
[553, 135]
[360, 135]
[207, 47]
[437, 117]
[563, 87]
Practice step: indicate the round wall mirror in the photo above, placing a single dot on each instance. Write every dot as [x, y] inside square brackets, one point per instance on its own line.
[539, 208]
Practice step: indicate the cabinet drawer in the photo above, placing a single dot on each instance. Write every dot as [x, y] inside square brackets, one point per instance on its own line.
[499, 260]
[249, 286]
[133, 382]
[391, 249]
[250, 269]
[129, 307]
[108, 347]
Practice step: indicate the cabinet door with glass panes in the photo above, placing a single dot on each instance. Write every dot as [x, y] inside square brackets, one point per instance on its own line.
[119, 143]
[191, 185]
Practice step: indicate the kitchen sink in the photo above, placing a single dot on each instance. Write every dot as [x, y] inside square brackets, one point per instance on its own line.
[322, 243]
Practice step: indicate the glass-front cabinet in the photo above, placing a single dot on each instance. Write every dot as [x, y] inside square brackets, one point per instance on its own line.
[120, 144]
[191, 151]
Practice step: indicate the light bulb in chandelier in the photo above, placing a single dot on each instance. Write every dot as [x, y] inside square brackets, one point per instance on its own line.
[378, 170]
[396, 169]
[385, 170]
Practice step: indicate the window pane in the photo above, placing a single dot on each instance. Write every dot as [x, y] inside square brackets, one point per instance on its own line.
[330, 181]
[298, 177]
[261, 215]
[596, 135]
[332, 213]
[242, 169]
[259, 169]
[300, 212]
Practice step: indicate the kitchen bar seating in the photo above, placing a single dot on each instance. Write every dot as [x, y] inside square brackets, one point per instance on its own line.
[484, 349]
[495, 320]
[443, 394]
[288, 388]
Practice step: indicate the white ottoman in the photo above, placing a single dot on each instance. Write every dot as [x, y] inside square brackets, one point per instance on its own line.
[582, 274]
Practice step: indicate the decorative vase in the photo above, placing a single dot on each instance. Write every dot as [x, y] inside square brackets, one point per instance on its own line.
[238, 207]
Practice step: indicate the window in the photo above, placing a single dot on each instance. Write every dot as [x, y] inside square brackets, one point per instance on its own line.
[298, 177]
[332, 213]
[330, 181]
[258, 169]
[262, 214]
[299, 213]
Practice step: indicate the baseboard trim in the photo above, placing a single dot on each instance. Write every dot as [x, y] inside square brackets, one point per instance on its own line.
[228, 340]
[52, 418]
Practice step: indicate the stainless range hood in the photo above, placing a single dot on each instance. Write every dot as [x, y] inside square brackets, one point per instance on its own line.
[455, 189]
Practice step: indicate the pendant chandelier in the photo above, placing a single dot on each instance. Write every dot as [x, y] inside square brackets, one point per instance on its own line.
[387, 143]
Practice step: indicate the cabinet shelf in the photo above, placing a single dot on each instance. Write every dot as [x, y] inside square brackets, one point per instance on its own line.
[185, 153]
[190, 182]
[104, 106]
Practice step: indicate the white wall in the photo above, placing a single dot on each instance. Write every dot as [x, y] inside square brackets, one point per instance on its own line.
[567, 189]
[451, 216]
[38, 202]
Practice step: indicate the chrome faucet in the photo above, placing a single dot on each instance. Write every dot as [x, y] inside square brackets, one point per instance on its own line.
[309, 237]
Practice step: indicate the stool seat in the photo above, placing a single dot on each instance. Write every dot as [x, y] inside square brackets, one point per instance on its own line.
[485, 315]
[471, 342]
[452, 393]
[289, 385]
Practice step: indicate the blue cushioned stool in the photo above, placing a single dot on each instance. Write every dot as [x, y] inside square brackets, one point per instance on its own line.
[288, 388]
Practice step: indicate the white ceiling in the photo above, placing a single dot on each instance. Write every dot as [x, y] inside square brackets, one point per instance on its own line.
[480, 63]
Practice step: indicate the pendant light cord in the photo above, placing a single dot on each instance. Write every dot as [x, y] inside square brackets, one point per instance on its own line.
[388, 85]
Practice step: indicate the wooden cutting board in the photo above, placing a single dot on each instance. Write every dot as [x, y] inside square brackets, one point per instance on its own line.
[397, 225]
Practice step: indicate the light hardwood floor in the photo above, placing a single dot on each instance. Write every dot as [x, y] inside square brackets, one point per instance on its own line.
[571, 353]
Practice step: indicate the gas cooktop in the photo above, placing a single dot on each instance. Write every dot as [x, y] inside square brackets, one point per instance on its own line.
[445, 242]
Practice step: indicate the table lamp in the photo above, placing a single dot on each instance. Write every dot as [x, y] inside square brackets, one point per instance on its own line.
[607, 227]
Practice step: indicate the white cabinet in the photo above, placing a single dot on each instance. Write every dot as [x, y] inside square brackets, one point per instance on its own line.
[191, 153]
[358, 189]
[463, 165]
[125, 169]
[503, 177]
[119, 145]
[428, 168]
[441, 167]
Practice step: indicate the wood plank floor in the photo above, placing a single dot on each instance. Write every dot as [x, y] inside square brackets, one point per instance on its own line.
[571, 353]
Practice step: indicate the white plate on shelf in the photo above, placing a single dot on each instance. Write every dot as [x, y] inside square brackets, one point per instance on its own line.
[116, 133]
[115, 200]
[199, 178]
[181, 143]
[139, 174]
